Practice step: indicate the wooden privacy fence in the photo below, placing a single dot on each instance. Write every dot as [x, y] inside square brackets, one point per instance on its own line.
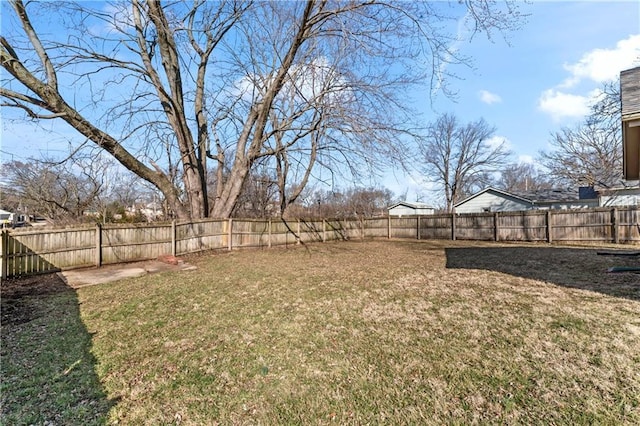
[30, 251]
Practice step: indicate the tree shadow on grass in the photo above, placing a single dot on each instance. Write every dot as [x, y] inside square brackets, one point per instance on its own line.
[568, 267]
[47, 369]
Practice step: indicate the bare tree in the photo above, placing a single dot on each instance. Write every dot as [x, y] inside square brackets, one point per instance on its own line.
[522, 177]
[368, 202]
[590, 153]
[259, 197]
[167, 88]
[60, 192]
[361, 202]
[459, 158]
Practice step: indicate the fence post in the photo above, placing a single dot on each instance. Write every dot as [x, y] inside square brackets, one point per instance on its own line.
[98, 245]
[549, 227]
[453, 226]
[4, 246]
[389, 226]
[324, 231]
[362, 228]
[298, 232]
[418, 226]
[496, 235]
[615, 225]
[230, 234]
[174, 248]
[269, 241]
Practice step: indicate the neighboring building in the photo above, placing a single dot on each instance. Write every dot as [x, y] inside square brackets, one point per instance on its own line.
[563, 199]
[7, 218]
[151, 211]
[404, 208]
[12, 220]
[630, 96]
[619, 197]
[495, 200]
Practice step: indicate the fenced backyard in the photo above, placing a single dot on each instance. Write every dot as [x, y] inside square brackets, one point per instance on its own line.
[393, 332]
[32, 251]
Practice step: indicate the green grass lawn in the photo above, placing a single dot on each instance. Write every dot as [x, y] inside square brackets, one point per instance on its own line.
[400, 332]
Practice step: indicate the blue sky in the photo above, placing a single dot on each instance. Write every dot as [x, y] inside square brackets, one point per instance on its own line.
[542, 79]
[538, 82]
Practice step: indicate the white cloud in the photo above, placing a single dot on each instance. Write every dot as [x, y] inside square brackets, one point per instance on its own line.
[495, 142]
[560, 105]
[595, 66]
[602, 65]
[488, 97]
[316, 82]
[526, 159]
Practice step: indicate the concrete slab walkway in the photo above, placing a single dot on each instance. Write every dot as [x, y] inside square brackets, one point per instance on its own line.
[77, 278]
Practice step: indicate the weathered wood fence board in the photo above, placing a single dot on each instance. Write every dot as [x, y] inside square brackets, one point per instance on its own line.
[522, 226]
[589, 226]
[32, 251]
[437, 227]
[376, 227]
[198, 236]
[310, 230]
[628, 224]
[131, 243]
[404, 227]
[475, 227]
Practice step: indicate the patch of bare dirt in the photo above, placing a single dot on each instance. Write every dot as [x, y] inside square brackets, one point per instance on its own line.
[15, 294]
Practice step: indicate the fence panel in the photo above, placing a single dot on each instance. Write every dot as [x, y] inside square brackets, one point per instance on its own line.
[311, 230]
[282, 232]
[249, 233]
[522, 226]
[352, 228]
[404, 227]
[628, 220]
[31, 252]
[334, 230]
[478, 226]
[436, 227]
[135, 242]
[582, 225]
[376, 227]
[192, 237]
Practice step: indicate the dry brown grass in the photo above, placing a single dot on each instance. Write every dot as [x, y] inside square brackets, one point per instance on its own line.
[400, 332]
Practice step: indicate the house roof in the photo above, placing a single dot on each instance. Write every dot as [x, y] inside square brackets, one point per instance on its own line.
[543, 196]
[411, 205]
[495, 191]
[551, 195]
[619, 190]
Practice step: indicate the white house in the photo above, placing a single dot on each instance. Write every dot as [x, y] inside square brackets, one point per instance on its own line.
[619, 197]
[6, 218]
[496, 200]
[404, 208]
[152, 211]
